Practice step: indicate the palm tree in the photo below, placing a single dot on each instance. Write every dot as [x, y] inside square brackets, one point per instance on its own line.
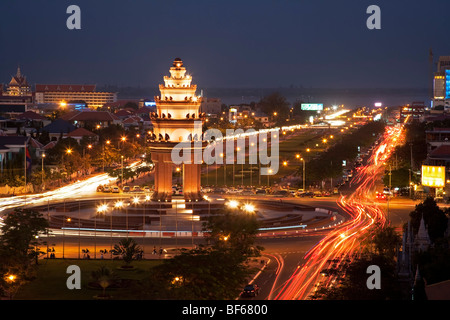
[128, 249]
[104, 277]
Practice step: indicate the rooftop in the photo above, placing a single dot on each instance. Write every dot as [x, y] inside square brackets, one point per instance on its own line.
[442, 151]
[59, 126]
[65, 87]
[89, 116]
[81, 132]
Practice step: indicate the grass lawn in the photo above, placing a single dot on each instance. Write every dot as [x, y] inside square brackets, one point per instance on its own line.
[51, 280]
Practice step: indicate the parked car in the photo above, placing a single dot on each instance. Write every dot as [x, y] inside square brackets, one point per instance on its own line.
[261, 191]
[307, 194]
[115, 189]
[283, 193]
[317, 194]
[126, 189]
[100, 188]
[147, 189]
[251, 290]
[137, 189]
[106, 189]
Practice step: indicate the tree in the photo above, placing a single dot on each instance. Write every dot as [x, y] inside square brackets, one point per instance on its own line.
[385, 242]
[236, 230]
[399, 178]
[272, 103]
[104, 277]
[20, 234]
[351, 281]
[434, 218]
[128, 249]
[216, 272]
[19, 247]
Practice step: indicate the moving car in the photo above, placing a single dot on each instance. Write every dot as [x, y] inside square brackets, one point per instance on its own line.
[251, 290]
[380, 196]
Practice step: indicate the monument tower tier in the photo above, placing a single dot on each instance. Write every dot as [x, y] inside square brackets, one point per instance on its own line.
[176, 120]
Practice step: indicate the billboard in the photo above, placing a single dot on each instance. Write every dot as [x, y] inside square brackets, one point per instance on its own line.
[312, 106]
[433, 176]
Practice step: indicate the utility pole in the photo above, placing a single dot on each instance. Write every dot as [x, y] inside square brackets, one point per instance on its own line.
[412, 160]
[389, 194]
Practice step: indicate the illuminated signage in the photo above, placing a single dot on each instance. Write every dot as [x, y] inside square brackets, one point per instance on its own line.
[312, 106]
[433, 176]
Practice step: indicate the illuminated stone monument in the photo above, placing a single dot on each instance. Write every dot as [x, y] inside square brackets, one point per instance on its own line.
[176, 120]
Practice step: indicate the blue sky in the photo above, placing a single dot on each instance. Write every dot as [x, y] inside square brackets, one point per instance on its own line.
[318, 43]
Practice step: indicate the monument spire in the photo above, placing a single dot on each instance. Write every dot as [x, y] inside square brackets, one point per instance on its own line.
[175, 120]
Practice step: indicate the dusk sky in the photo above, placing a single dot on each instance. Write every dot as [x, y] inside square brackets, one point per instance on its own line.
[225, 43]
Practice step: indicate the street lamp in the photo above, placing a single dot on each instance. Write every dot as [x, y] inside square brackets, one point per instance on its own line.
[304, 174]
[268, 181]
[43, 156]
[107, 142]
[63, 227]
[233, 204]
[248, 207]
[224, 170]
[122, 172]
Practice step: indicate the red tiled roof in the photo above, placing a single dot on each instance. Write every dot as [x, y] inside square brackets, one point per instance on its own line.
[89, 116]
[81, 132]
[438, 291]
[134, 119]
[65, 87]
[443, 151]
[123, 112]
[30, 115]
[50, 145]
[36, 144]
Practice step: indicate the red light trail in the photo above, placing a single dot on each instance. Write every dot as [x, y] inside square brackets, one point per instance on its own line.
[344, 242]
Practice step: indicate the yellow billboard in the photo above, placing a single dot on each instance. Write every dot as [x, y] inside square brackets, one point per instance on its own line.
[433, 176]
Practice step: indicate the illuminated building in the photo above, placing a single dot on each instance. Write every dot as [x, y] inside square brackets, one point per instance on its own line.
[416, 110]
[57, 94]
[176, 120]
[441, 83]
[18, 86]
[17, 97]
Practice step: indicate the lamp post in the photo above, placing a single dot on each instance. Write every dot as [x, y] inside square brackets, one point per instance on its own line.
[63, 227]
[107, 142]
[69, 152]
[43, 156]
[303, 160]
[122, 172]
[389, 194]
[224, 170]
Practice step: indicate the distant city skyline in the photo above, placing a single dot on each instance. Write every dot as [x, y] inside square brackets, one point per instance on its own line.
[246, 44]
